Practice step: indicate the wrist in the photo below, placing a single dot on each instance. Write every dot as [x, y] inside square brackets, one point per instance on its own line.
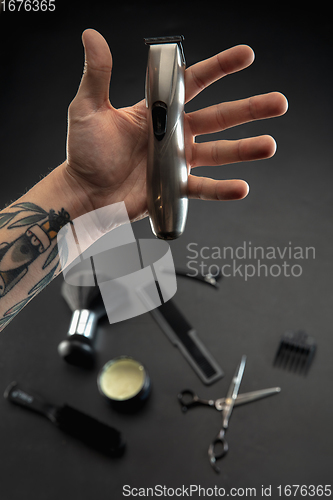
[63, 191]
[59, 190]
[71, 191]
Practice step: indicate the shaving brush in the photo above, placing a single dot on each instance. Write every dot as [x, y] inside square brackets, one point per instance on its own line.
[87, 306]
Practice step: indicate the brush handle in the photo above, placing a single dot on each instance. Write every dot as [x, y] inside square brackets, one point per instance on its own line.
[83, 323]
[95, 434]
[78, 349]
[87, 429]
[19, 396]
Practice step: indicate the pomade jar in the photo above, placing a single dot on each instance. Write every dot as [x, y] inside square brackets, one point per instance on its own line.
[125, 383]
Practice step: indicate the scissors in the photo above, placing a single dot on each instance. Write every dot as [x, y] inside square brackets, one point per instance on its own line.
[189, 399]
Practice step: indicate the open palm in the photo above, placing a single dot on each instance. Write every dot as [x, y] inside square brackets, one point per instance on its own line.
[107, 147]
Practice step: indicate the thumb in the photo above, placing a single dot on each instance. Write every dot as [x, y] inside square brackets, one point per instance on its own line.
[96, 77]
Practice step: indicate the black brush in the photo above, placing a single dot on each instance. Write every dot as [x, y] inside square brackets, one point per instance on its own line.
[86, 303]
[87, 429]
[295, 352]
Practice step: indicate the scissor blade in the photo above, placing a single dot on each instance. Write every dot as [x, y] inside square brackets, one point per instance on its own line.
[234, 386]
[232, 393]
[248, 397]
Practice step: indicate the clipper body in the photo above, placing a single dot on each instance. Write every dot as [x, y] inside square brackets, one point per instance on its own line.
[166, 163]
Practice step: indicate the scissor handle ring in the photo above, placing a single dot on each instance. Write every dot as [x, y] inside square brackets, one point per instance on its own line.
[190, 402]
[224, 451]
[213, 457]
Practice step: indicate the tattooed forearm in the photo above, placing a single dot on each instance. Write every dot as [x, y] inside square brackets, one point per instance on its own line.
[27, 240]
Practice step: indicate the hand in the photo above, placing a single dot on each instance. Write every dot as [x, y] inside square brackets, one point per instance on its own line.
[107, 147]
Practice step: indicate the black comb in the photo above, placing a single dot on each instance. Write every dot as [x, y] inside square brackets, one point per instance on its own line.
[295, 352]
[87, 429]
[182, 335]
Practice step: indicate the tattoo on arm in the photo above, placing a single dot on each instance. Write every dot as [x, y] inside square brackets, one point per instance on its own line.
[36, 242]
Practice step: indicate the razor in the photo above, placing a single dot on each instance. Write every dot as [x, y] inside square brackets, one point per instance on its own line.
[166, 163]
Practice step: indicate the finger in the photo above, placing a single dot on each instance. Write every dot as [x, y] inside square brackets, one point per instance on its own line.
[95, 82]
[205, 188]
[229, 114]
[201, 75]
[224, 152]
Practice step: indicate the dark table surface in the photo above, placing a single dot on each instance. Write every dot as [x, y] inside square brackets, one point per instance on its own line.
[283, 440]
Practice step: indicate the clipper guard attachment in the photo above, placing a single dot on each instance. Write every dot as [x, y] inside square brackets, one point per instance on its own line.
[295, 352]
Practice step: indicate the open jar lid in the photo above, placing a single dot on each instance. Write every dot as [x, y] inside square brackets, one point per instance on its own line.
[125, 382]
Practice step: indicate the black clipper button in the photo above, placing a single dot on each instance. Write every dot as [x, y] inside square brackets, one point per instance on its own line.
[159, 116]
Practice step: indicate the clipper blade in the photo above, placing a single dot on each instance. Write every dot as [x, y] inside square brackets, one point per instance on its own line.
[164, 39]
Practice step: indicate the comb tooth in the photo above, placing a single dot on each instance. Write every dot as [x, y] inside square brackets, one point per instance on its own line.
[299, 341]
[280, 356]
[294, 349]
[303, 360]
[298, 359]
[284, 355]
[304, 340]
[277, 359]
[300, 353]
[287, 356]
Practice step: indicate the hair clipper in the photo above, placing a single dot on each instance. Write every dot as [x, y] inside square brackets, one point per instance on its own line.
[166, 163]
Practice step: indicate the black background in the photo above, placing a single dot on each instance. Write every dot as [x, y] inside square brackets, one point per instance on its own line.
[278, 441]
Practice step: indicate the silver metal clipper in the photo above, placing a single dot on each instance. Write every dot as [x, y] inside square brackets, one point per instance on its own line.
[166, 163]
